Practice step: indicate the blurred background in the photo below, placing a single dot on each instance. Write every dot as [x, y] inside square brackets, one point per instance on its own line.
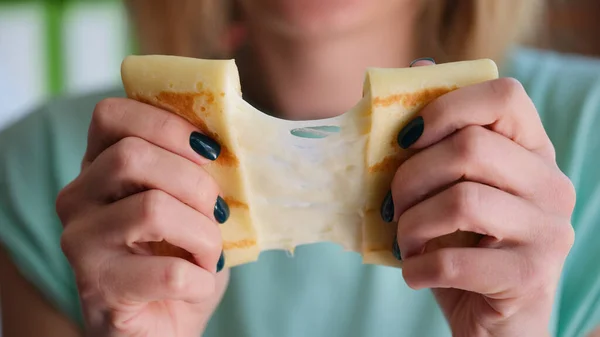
[55, 47]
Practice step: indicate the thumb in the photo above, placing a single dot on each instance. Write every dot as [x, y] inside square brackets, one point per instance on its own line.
[423, 61]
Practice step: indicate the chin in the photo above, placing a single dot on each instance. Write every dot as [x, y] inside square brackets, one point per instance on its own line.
[307, 18]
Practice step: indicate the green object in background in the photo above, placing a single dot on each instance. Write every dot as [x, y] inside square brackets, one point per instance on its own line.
[54, 45]
[54, 16]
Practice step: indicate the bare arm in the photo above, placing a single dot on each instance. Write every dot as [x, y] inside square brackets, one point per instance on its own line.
[25, 313]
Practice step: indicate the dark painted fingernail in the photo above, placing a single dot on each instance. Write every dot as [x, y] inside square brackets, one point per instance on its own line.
[221, 210]
[204, 145]
[221, 262]
[396, 249]
[411, 132]
[387, 208]
[422, 59]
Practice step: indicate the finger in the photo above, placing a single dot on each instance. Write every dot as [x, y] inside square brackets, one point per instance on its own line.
[70, 201]
[490, 272]
[155, 216]
[502, 105]
[480, 155]
[117, 118]
[134, 278]
[133, 165]
[470, 207]
[420, 62]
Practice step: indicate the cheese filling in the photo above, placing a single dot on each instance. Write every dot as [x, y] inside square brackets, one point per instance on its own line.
[304, 190]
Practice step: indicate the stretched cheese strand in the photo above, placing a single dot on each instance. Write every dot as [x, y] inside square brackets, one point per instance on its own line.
[290, 183]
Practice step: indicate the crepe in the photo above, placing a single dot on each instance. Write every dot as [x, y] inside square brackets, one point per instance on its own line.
[290, 183]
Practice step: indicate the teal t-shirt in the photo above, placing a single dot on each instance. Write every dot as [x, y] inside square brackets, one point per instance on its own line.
[321, 291]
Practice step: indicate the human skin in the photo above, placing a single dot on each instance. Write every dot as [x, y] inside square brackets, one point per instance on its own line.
[485, 165]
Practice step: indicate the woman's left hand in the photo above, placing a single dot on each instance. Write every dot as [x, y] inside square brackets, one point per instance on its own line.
[485, 166]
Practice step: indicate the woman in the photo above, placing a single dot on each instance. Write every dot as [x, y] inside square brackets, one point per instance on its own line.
[491, 169]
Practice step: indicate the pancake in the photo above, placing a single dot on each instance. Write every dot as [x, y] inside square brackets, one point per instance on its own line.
[290, 183]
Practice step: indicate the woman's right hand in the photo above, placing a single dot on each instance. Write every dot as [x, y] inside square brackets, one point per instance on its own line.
[141, 183]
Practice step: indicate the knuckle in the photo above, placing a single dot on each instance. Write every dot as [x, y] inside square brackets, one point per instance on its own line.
[66, 244]
[568, 236]
[507, 89]
[175, 278]
[152, 203]
[467, 144]
[105, 112]
[130, 154]
[68, 203]
[548, 150]
[564, 238]
[410, 278]
[464, 199]
[445, 267]
[566, 193]
[70, 244]
[63, 204]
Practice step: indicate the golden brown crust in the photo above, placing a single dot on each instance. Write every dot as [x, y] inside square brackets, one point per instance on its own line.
[234, 203]
[412, 99]
[186, 105]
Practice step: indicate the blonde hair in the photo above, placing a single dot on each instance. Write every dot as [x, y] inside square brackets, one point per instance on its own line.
[449, 30]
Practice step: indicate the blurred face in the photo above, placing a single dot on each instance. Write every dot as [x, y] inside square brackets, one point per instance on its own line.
[306, 18]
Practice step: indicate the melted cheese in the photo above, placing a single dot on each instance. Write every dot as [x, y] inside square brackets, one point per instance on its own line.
[284, 189]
